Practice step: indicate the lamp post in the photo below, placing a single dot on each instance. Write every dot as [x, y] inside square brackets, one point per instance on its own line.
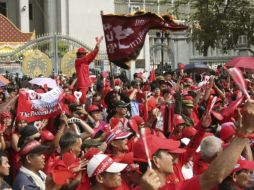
[162, 36]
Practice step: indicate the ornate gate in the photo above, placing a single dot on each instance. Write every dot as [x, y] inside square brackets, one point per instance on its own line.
[46, 55]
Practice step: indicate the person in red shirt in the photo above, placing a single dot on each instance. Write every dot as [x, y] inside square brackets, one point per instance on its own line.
[82, 68]
[218, 170]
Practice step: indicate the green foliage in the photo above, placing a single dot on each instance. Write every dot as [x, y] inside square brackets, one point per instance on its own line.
[221, 22]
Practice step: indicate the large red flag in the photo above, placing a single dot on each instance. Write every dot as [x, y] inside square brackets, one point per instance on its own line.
[125, 34]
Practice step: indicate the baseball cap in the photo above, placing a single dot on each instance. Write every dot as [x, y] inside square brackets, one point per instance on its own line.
[91, 152]
[46, 135]
[32, 147]
[100, 163]
[117, 134]
[227, 131]
[121, 104]
[154, 144]
[90, 143]
[188, 101]
[82, 50]
[93, 108]
[28, 130]
[243, 165]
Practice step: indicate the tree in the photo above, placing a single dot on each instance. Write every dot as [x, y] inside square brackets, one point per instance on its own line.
[221, 22]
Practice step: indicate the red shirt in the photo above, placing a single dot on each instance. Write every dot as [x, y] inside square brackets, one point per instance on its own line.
[192, 183]
[82, 69]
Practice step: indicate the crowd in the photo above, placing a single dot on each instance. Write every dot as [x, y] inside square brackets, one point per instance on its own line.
[175, 131]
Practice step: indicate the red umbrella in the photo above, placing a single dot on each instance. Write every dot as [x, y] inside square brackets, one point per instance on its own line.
[241, 62]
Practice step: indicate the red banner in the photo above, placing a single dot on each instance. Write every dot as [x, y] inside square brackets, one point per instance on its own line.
[125, 34]
[37, 106]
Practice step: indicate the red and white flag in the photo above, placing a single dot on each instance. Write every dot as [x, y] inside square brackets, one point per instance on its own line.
[37, 106]
[237, 76]
[125, 34]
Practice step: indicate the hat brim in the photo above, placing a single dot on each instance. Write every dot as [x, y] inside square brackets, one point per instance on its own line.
[93, 111]
[189, 105]
[172, 146]
[38, 150]
[123, 105]
[116, 167]
[124, 136]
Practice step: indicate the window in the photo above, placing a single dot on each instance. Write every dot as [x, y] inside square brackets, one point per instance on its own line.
[3, 8]
[30, 11]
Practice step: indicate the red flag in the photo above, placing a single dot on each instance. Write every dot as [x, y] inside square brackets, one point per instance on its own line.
[125, 34]
[237, 76]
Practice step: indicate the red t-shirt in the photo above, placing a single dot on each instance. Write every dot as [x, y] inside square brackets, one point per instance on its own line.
[192, 183]
[82, 69]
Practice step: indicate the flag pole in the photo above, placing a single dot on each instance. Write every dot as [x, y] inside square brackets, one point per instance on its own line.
[110, 66]
[112, 76]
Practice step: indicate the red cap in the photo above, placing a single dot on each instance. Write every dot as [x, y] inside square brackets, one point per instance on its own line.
[46, 135]
[181, 66]
[243, 165]
[82, 50]
[117, 134]
[32, 147]
[227, 131]
[188, 101]
[117, 82]
[91, 152]
[154, 144]
[93, 108]
[178, 120]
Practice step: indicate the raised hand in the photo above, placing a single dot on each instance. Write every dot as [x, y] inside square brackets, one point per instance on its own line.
[248, 117]
[150, 181]
[98, 41]
[206, 120]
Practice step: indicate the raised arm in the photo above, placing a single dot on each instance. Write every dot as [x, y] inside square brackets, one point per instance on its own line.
[222, 166]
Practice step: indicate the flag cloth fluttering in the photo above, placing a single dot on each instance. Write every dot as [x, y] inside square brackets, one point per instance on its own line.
[125, 34]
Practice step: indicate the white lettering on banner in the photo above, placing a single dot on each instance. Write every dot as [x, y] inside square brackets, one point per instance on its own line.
[121, 34]
[138, 40]
[139, 22]
[110, 36]
[111, 48]
[38, 113]
[107, 26]
[47, 98]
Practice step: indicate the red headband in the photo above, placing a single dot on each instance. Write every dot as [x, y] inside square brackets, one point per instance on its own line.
[104, 165]
[29, 147]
